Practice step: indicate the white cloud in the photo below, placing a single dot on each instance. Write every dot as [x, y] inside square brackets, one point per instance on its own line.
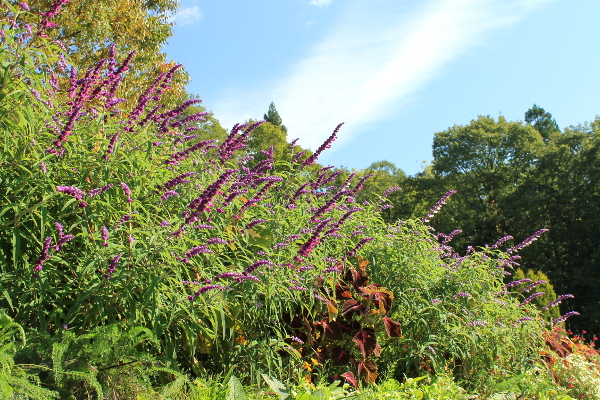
[320, 3]
[375, 58]
[187, 16]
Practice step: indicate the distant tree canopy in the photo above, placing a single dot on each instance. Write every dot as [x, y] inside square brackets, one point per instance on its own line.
[514, 178]
[88, 29]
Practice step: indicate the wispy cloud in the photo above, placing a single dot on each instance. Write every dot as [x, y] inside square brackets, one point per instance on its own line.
[375, 58]
[320, 3]
[187, 16]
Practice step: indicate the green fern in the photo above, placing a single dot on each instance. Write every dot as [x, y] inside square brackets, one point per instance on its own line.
[14, 380]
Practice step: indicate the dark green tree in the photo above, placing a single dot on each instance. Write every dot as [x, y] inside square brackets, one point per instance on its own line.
[485, 162]
[542, 121]
[272, 116]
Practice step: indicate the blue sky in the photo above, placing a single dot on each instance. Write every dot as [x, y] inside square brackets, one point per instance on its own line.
[395, 71]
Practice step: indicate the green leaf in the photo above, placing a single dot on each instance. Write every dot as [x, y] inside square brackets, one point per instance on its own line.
[236, 390]
[276, 386]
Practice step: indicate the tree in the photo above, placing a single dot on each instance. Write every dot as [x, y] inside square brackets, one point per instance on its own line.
[542, 121]
[485, 162]
[272, 116]
[88, 29]
[262, 138]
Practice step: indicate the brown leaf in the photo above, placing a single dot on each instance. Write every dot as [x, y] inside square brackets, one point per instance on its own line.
[351, 305]
[351, 379]
[339, 356]
[392, 327]
[367, 370]
[333, 331]
[366, 341]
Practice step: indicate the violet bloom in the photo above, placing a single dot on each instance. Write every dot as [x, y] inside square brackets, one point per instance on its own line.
[206, 288]
[257, 264]
[359, 245]
[436, 208]
[534, 284]
[501, 241]
[124, 219]
[298, 288]
[71, 191]
[477, 323]
[558, 301]
[516, 283]
[389, 191]
[533, 296]
[104, 231]
[59, 228]
[327, 144]
[198, 250]
[112, 266]
[127, 191]
[527, 241]
[564, 317]
[216, 241]
[43, 167]
[255, 222]
[296, 339]
[24, 6]
[44, 256]
[521, 320]
[168, 194]
[164, 223]
[99, 190]
[178, 180]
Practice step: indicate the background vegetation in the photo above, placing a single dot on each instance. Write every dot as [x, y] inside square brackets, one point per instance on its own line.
[147, 253]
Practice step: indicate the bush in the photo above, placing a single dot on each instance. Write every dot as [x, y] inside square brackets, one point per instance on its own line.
[128, 241]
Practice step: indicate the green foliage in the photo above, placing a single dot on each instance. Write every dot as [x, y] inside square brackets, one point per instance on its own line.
[88, 29]
[136, 257]
[421, 388]
[453, 311]
[14, 379]
[547, 288]
[272, 117]
[542, 121]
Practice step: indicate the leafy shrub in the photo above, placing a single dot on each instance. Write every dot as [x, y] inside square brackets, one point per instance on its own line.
[14, 380]
[113, 219]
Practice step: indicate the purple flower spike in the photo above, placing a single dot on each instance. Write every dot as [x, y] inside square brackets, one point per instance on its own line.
[359, 245]
[521, 320]
[112, 266]
[24, 6]
[558, 301]
[104, 231]
[206, 288]
[127, 192]
[296, 339]
[389, 191]
[527, 241]
[255, 222]
[44, 256]
[533, 296]
[327, 144]
[168, 194]
[436, 208]
[257, 264]
[99, 190]
[71, 191]
[564, 317]
[298, 288]
[59, 228]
